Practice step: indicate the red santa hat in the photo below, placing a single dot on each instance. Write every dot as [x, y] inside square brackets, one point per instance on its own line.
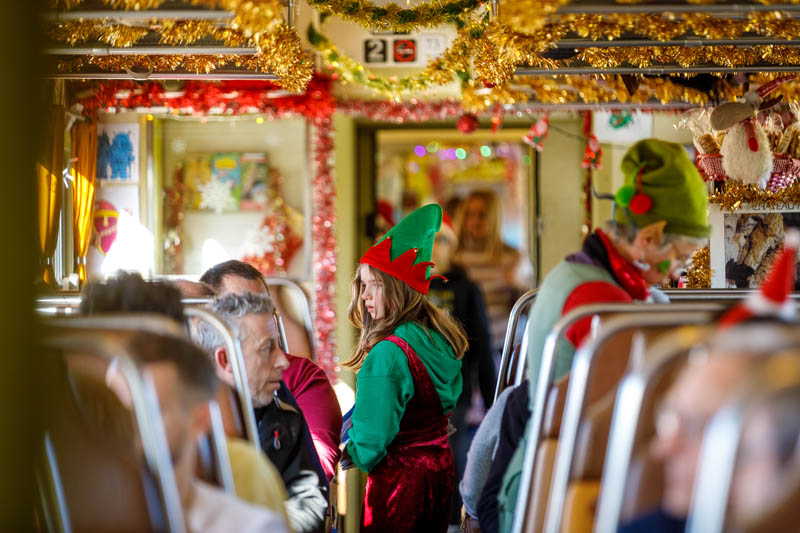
[773, 297]
[447, 228]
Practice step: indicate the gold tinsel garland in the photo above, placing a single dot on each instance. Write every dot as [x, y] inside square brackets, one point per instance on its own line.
[282, 55]
[528, 16]
[698, 274]
[456, 60]
[256, 24]
[518, 39]
[737, 194]
[392, 17]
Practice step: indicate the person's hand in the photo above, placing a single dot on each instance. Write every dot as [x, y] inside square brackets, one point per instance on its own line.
[346, 463]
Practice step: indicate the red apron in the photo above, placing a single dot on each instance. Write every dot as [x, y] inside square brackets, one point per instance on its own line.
[410, 489]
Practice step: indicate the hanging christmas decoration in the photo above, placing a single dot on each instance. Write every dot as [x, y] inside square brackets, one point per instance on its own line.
[455, 61]
[588, 180]
[174, 201]
[592, 156]
[620, 120]
[538, 133]
[271, 247]
[323, 231]
[746, 150]
[497, 118]
[392, 17]
[467, 123]
[217, 195]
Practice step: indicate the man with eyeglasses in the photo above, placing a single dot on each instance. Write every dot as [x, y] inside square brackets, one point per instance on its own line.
[282, 429]
[303, 381]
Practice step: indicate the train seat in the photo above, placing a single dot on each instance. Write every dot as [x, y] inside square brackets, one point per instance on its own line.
[105, 485]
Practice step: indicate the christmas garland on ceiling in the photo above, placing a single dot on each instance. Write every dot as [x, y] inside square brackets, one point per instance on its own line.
[455, 61]
[516, 39]
[256, 24]
[392, 17]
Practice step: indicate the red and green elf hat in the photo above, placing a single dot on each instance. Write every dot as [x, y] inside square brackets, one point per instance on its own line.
[405, 252]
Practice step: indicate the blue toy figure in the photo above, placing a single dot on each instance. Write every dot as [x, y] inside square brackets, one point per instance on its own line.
[103, 155]
[121, 156]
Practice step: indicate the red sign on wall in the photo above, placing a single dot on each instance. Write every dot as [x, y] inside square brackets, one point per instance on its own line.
[405, 50]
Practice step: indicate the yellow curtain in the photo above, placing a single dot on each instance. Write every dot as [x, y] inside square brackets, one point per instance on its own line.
[84, 170]
[48, 172]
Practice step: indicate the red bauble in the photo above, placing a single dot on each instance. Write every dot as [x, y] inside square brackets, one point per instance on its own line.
[640, 204]
[467, 123]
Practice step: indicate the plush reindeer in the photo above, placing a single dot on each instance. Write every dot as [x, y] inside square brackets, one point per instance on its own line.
[746, 152]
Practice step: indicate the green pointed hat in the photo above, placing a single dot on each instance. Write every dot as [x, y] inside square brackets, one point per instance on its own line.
[662, 183]
[405, 252]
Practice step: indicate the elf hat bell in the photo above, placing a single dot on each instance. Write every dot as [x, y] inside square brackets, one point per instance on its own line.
[405, 252]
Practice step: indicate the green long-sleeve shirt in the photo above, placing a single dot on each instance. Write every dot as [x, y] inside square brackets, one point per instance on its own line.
[384, 386]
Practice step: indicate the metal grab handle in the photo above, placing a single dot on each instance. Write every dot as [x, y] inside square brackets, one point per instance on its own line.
[221, 459]
[546, 369]
[234, 349]
[523, 303]
[305, 309]
[146, 411]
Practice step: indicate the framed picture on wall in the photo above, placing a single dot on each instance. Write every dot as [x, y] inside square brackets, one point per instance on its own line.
[118, 152]
[745, 242]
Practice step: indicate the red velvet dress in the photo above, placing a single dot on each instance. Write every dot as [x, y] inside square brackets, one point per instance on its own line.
[410, 489]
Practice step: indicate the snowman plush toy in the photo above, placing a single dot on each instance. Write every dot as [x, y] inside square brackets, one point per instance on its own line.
[746, 152]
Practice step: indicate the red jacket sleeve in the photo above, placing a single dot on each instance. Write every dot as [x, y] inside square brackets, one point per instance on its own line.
[591, 292]
[317, 400]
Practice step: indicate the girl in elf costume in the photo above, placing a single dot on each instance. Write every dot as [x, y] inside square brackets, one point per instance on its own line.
[408, 360]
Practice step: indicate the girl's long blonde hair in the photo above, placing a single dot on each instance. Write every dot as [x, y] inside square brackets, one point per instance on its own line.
[401, 304]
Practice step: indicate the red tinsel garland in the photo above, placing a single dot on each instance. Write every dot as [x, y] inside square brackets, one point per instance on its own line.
[323, 230]
[239, 97]
[202, 98]
[317, 105]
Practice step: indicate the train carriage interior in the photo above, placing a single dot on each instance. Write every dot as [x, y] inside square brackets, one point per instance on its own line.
[413, 266]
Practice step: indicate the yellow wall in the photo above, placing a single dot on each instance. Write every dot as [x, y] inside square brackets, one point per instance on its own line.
[346, 232]
[347, 240]
[560, 182]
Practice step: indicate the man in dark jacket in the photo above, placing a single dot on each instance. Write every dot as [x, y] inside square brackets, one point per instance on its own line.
[282, 429]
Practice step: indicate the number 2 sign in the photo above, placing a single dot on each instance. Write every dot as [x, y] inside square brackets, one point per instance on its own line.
[375, 51]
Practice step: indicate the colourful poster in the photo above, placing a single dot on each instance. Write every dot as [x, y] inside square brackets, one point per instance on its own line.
[119, 240]
[255, 173]
[118, 152]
